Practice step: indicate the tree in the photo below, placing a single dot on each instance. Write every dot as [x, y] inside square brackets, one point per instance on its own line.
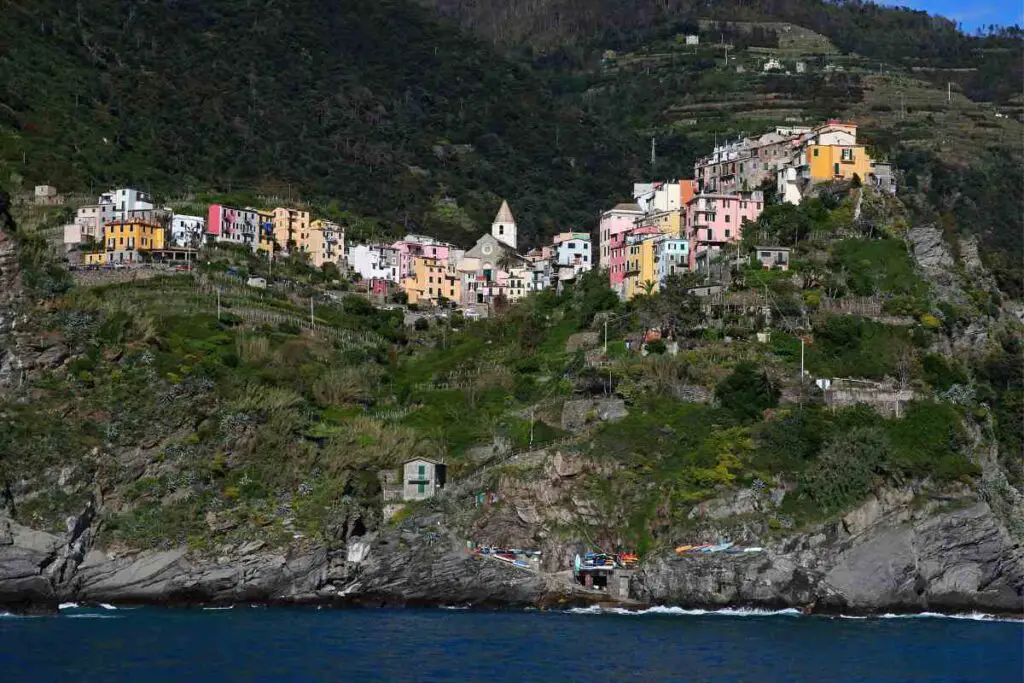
[747, 392]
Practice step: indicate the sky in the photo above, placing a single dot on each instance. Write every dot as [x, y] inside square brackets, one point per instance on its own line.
[971, 13]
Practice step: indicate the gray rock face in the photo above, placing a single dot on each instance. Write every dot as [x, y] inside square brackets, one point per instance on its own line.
[960, 560]
[576, 415]
[892, 561]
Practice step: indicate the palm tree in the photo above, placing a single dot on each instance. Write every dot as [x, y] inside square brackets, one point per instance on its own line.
[648, 287]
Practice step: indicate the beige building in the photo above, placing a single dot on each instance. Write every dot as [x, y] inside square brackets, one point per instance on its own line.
[291, 229]
[326, 243]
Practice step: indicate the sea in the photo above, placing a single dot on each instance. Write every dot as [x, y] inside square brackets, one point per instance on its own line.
[154, 645]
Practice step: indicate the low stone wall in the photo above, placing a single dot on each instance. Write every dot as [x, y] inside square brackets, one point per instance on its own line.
[886, 402]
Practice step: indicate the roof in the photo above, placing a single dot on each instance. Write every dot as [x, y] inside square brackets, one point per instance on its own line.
[504, 214]
[625, 206]
[771, 248]
[430, 460]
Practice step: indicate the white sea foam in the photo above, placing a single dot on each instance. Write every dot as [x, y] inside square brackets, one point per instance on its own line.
[107, 606]
[93, 615]
[680, 611]
[968, 616]
[789, 612]
[68, 605]
[454, 607]
[218, 609]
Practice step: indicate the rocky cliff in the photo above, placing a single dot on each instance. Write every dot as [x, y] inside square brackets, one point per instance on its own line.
[890, 554]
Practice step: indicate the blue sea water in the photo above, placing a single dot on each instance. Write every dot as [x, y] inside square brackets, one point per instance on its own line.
[161, 645]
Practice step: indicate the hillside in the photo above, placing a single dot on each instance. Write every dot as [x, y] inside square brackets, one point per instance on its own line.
[208, 441]
[367, 107]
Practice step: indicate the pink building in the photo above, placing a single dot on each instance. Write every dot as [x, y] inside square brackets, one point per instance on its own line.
[418, 245]
[618, 255]
[714, 220]
[614, 224]
[241, 226]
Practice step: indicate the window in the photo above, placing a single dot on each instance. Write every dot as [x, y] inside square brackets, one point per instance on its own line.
[815, 152]
[710, 234]
[847, 154]
[728, 218]
[501, 229]
[727, 234]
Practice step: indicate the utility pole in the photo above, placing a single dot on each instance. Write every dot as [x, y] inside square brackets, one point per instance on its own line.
[532, 411]
[311, 323]
[218, 303]
[949, 92]
[653, 156]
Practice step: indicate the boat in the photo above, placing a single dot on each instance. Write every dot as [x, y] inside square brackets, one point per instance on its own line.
[683, 548]
[718, 548]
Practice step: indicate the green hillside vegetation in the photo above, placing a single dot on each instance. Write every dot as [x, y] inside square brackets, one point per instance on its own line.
[203, 425]
[372, 105]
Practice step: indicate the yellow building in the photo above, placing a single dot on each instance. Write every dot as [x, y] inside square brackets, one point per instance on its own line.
[834, 162]
[432, 279]
[668, 222]
[641, 268]
[326, 243]
[125, 241]
[291, 229]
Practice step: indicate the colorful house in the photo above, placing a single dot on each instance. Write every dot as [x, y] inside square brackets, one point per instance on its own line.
[672, 256]
[641, 270]
[614, 223]
[326, 243]
[714, 220]
[432, 280]
[374, 262]
[573, 255]
[126, 241]
[291, 229]
[248, 227]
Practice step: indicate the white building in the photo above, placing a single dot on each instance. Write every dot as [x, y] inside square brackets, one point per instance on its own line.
[125, 200]
[186, 231]
[374, 262]
[573, 254]
[504, 227]
[692, 40]
[659, 196]
[90, 219]
[673, 257]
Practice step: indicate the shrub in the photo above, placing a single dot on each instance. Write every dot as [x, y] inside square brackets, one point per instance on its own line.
[421, 324]
[747, 392]
[657, 347]
[930, 322]
[847, 469]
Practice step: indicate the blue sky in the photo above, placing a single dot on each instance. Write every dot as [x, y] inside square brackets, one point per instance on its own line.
[971, 13]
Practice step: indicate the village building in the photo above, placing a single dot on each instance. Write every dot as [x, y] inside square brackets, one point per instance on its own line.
[291, 229]
[46, 195]
[614, 223]
[326, 243]
[573, 255]
[640, 275]
[433, 281]
[486, 269]
[248, 227]
[125, 242]
[422, 478]
[187, 231]
[772, 257]
[374, 262]
[672, 257]
[714, 220]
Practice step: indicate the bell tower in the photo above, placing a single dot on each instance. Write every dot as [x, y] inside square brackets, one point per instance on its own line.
[503, 228]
